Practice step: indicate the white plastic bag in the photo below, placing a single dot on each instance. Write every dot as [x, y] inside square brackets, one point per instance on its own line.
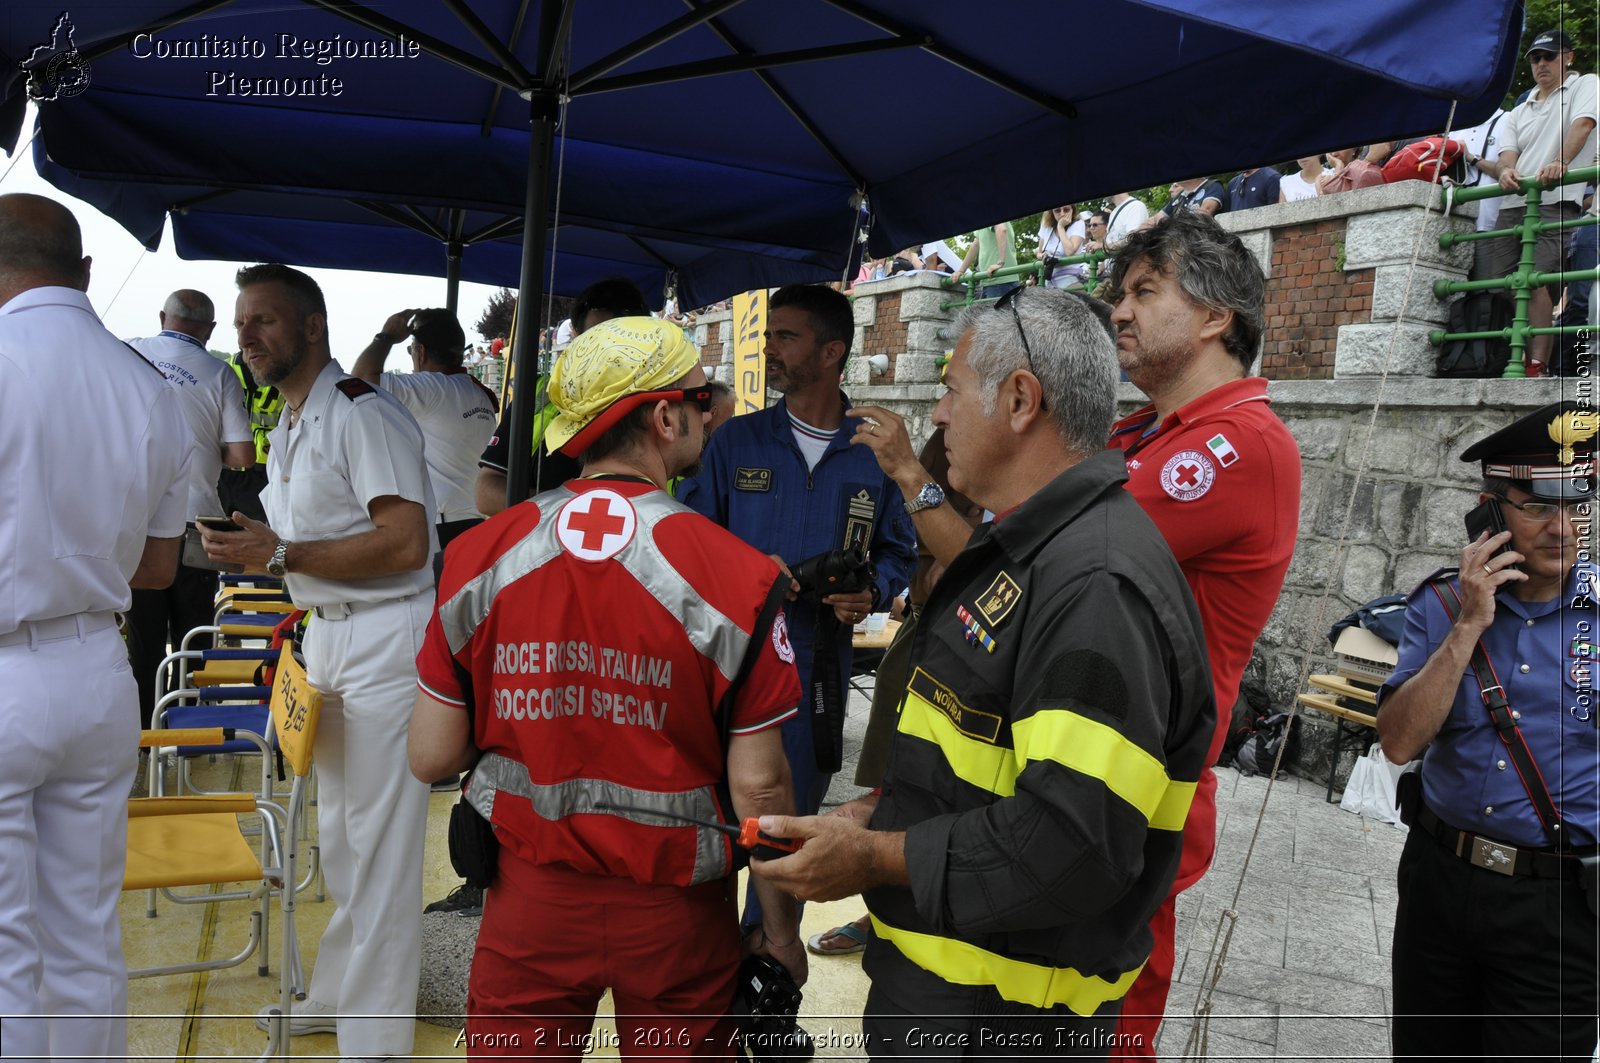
[1370, 791]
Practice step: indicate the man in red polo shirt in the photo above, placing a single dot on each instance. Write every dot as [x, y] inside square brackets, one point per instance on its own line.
[584, 641]
[1219, 473]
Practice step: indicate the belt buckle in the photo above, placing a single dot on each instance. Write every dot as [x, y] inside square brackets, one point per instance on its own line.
[1493, 856]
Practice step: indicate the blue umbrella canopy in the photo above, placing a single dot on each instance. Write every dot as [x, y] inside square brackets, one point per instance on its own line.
[735, 139]
[750, 132]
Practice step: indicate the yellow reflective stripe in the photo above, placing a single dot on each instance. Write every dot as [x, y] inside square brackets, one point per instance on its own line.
[1015, 980]
[1100, 752]
[989, 767]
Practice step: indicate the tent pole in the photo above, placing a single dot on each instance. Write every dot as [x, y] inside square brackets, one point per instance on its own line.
[452, 276]
[544, 106]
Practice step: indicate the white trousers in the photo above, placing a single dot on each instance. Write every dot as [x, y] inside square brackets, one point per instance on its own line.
[371, 819]
[69, 734]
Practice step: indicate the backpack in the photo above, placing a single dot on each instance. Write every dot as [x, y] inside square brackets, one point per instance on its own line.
[1260, 748]
[1476, 312]
[1425, 159]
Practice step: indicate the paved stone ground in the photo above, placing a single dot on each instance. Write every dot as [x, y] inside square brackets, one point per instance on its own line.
[1306, 974]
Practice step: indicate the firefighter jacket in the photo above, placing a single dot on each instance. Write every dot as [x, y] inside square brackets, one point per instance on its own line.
[1048, 744]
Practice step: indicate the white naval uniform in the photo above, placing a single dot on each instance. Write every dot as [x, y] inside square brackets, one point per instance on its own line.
[80, 494]
[322, 474]
[457, 416]
[213, 405]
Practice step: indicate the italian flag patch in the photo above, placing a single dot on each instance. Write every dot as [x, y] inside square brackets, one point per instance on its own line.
[1219, 446]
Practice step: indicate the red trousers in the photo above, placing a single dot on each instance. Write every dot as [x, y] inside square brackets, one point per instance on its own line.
[1146, 1000]
[553, 941]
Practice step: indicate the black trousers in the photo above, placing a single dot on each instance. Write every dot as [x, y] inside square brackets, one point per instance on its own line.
[160, 616]
[241, 490]
[1488, 964]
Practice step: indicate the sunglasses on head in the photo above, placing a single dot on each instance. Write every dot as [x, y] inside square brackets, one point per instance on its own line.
[1009, 301]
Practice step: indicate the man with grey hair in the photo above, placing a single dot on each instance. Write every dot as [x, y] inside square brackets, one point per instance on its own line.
[214, 410]
[1053, 729]
[1219, 473]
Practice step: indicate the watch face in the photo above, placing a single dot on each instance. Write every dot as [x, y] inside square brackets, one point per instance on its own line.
[930, 495]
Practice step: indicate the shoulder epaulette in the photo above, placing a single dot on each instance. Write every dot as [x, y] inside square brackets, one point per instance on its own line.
[354, 387]
[146, 362]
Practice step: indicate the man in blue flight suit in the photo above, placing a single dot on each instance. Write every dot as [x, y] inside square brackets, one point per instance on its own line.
[787, 481]
[1495, 934]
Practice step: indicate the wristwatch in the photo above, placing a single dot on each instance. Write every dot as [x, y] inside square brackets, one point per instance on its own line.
[279, 566]
[929, 496]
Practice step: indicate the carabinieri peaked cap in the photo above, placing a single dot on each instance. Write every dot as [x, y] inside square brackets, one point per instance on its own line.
[1550, 452]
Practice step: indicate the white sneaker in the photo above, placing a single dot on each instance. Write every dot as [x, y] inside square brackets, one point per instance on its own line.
[310, 1016]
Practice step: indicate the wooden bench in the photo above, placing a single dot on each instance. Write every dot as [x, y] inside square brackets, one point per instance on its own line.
[1333, 696]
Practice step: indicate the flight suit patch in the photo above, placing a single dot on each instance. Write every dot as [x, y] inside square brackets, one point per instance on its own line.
[996, 603]
[752, 479]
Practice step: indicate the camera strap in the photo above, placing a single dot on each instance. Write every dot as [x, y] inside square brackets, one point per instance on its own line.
[1505, 722]
[826, 693]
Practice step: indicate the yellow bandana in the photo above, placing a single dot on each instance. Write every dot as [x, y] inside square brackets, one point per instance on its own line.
[612, 360]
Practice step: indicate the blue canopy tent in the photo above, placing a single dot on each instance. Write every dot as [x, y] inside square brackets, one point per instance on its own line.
[753, 128]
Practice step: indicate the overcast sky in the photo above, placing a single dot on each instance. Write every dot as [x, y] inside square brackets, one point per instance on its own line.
[358, 303]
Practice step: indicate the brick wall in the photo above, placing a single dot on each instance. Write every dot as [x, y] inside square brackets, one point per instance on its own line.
[1309, 295]
[886, 334]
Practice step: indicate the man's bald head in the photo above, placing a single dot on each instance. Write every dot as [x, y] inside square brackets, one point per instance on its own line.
[40, 246]
[189, 312]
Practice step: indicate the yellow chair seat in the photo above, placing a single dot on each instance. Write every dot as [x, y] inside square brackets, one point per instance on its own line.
[170, 845]
[225, 674]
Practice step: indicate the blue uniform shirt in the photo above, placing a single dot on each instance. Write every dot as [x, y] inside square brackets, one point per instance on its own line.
[1544, 656]
[753, 481]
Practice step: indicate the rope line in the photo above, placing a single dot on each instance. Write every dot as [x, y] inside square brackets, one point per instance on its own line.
[1199, 1031]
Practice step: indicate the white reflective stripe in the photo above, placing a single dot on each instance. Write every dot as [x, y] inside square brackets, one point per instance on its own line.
[467, 608]
[496, 773]
[714, 635]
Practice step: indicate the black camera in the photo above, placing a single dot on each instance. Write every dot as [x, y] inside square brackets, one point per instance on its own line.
[835, 572]
[765, 1003]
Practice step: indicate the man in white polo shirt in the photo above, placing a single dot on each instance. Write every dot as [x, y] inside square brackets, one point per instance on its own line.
[456, 413]
[1552, 132]
[213, 407]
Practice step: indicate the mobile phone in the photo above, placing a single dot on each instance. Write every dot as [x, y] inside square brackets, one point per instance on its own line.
[1487, 516]
[220, 524]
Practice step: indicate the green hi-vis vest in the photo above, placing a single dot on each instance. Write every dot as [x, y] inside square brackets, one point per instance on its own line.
[263, 403]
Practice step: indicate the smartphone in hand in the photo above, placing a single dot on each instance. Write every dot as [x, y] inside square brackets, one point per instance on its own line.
[218, 524]
[1488, 516]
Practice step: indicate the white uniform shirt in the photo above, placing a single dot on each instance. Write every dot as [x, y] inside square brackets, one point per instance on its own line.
[325, 471]
[213, 404]
[97, 459]
[457, 416]
[1483, 141]
[1536, 129]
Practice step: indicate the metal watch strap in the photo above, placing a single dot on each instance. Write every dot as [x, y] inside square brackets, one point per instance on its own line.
[1505, 722]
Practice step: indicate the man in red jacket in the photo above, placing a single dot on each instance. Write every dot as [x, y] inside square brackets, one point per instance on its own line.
[1219, 473]
[582, 647]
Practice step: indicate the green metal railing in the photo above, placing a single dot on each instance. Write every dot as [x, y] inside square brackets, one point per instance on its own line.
[974, 282]
[1524, 279]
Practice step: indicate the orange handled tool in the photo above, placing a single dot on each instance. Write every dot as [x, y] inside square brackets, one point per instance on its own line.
[747, 835]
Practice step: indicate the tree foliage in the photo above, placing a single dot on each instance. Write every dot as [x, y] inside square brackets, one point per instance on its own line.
[496, 320]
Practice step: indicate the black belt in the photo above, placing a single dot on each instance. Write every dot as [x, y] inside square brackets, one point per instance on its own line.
[1495, 856]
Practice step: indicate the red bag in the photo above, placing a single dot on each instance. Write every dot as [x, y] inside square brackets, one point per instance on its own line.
[1425, 161]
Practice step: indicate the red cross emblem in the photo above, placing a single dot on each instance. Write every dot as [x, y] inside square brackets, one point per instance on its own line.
[1187, 475]
[595, 525]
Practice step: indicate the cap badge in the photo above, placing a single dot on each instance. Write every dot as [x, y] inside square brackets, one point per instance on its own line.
[1574, 426]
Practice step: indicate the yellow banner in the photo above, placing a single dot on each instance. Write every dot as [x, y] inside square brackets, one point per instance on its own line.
[749, 361]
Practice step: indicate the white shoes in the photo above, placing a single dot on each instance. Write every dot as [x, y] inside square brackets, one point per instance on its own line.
[310, 1016]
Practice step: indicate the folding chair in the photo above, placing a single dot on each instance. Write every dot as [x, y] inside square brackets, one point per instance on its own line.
[296, 708]
[195, 840]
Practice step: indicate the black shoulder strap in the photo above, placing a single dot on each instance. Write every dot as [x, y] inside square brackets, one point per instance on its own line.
[763, 630]
[1505, 721]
